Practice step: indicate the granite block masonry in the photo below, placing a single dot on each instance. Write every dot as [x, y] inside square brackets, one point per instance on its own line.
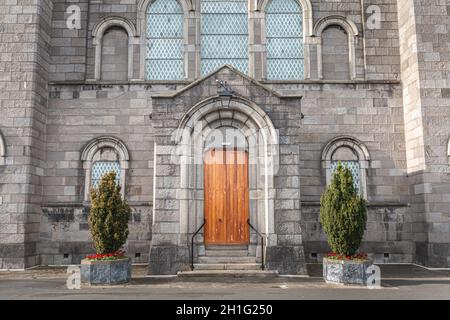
[77, 102]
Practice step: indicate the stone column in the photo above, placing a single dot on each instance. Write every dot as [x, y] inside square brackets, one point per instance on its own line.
[256, 49]
[424, 53]
[287, 254]
[169, 249]
[23, 102]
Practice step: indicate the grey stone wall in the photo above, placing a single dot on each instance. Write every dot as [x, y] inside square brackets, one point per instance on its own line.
[376, 50]
[425, 62]
[68, 46]
[373, 114]
[76, 115]
[381, 46]
[387, 239]
[404, 125]
[24, 51]
[65, 237]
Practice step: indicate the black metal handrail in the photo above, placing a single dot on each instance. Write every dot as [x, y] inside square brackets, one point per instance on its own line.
[262, 243]
[192, 244]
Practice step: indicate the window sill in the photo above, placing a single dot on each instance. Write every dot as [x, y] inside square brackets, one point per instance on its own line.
[88, 204]
[370, 204]
[362, 81]
[117, 83]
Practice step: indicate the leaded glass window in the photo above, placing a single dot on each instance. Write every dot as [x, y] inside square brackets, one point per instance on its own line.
[164, 57]
[354, 168]
[99, 168]
[284, 37]
[224, 35]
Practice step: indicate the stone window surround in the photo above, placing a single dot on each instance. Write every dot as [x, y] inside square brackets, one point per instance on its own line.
[448, 151]
[308, 38]
[98, 32]
[352, 34]
[91, 149]
[360, 150]
[142, 6]
[312, 37]
[2, 150]
[256, 8]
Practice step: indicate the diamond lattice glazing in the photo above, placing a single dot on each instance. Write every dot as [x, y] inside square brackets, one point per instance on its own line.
[164, 57]
[99, 168]
[284, 31]
[354, 168]
[224, 35]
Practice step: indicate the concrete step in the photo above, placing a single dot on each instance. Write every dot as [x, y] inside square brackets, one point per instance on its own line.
[217, 274]
[227, 266]
[227, 259]
[226, 253]
[226, 247]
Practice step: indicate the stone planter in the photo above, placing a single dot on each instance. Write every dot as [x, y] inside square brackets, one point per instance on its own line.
[106, 272]
[346, 272]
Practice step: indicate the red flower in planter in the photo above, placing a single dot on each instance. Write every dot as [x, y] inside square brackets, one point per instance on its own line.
[336, 256]
[107, 256]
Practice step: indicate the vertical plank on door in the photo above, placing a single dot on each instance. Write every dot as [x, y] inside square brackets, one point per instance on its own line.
[226, 197]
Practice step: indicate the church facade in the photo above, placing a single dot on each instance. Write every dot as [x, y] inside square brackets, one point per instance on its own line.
[224, 121]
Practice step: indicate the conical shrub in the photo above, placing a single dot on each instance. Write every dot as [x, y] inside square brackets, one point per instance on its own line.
[109, 215]
[343, 213]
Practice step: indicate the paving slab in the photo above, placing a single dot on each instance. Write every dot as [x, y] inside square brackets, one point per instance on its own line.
[398, 282]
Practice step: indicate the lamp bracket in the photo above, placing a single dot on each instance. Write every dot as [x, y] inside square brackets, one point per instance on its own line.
[223, 89]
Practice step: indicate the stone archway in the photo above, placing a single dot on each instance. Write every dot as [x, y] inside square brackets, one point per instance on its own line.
[251, 122]
[183, 120]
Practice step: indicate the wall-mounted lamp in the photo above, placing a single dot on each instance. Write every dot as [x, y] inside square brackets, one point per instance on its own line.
[225, 93]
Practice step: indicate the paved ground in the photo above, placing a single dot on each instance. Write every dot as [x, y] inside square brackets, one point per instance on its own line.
[398, 282]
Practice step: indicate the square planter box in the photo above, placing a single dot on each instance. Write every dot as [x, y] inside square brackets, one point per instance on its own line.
[345, 271]
[106, 272]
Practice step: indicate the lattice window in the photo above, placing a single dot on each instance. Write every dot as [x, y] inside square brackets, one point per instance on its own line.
[284, 37]
[224, 35]
[164, 58]
[99, 168]
[354, 168]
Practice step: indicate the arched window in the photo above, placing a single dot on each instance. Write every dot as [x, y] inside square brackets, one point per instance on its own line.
[284, 40]
[337, 37]
[353, 155]
[114, 54]
[114, 39]
[2, 150]
[448, 151]
[164, 53]
[224, 35]
[335, 54]
[348, 158]
[103, 155]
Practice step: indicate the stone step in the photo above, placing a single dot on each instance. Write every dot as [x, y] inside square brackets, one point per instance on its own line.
[227, 259]
[227, 266]
[226, 253]
[217, 274]
[226, 247]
